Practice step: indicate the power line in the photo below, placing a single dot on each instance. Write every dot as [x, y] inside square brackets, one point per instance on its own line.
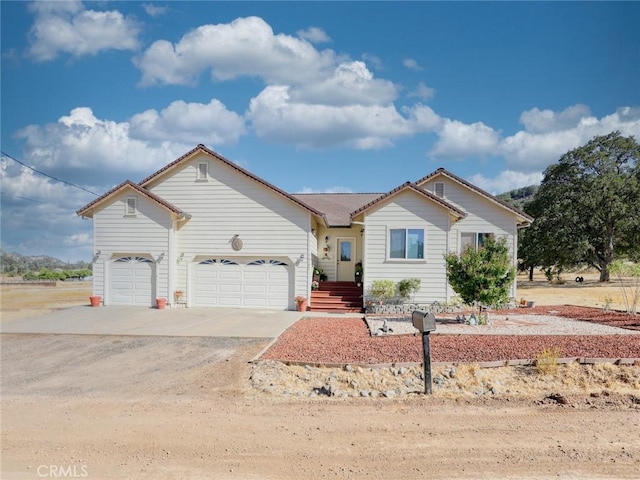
[23, 198]
[47, 175]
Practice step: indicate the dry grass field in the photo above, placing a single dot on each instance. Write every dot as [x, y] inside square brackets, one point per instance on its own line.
[112, 407]
[590, 293]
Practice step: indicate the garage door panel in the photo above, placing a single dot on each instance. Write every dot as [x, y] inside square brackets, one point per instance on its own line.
[230, 273]
[255, 274]
[255, 289]
[131, 281]
[230, 300]
[230, 288]
[242, 282]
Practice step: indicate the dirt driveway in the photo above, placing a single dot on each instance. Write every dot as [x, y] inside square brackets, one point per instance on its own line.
[173, 408]
[118, 407]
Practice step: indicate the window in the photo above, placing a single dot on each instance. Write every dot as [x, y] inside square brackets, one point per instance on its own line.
[130, 206]
[473, 240]
[406, 243]
[438, 189]
[203, 173]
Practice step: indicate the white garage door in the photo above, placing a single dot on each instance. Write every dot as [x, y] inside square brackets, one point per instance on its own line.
[131, 281]
[258, 283]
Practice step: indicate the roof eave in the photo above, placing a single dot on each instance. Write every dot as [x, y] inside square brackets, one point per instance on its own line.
[413, 187]
[444, 172]
[203, 149]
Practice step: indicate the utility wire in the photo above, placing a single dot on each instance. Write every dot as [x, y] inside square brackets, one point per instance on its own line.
[23, 198]
[47, 175]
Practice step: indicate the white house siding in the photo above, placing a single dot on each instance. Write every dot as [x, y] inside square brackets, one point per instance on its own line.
[117, 235]
[408, 210]
[227, 204]
[483, 216]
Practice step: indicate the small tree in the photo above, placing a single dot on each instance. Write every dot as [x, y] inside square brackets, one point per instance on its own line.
[482, 277]
[408, 287]
[629, 275]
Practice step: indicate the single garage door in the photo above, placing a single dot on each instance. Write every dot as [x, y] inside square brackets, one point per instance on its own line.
[131, 281]
[247, 282]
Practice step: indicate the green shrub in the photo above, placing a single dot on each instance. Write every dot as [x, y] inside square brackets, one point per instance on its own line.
[383, 290]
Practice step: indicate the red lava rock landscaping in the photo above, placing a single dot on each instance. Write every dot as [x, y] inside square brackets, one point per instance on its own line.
[347, 341]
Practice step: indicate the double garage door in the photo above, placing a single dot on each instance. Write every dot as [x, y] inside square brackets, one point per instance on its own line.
[239, 282]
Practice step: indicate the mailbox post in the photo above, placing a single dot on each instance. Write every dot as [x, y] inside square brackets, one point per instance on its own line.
[425, 323]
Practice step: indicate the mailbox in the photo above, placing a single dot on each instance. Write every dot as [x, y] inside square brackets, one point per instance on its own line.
[424, 322]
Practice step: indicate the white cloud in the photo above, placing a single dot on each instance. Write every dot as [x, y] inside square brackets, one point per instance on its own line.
[68, 27]
[422, 91]
[80, 141]
[154, 10]
[550, 135]
[505, 181]
[547, 136]
[246, 46]
[277, 117]
[544, 121]
[411, 64]
[314, 35]
[193, 123]
[461, 140]
[351, 83]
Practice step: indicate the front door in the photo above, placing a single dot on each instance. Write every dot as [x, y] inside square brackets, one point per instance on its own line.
[346, 261]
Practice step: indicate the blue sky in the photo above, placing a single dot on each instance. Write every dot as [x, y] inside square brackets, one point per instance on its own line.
[310, 96]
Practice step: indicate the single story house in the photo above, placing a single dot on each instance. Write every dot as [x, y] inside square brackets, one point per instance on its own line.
[202, 231]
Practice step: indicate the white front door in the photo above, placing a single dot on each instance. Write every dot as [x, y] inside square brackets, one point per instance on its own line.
[346, 259]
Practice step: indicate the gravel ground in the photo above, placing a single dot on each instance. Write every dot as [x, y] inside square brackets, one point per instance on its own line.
[499, 324]
[347, 341]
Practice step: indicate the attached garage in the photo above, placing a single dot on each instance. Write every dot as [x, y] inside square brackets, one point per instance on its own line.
[242, 282]
[131, 281]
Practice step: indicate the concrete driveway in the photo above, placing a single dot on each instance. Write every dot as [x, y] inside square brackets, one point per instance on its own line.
[181, 322]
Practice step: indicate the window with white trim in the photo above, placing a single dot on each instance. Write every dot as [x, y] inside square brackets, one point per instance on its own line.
[438, 189]
[473, 240]
[406, 243]
[203, 171]
[131, 206]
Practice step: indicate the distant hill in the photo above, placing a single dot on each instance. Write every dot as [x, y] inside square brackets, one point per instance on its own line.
[520, 196]
[16, 264]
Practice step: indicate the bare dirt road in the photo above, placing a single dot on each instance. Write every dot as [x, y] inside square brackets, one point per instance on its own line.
[172, 408]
